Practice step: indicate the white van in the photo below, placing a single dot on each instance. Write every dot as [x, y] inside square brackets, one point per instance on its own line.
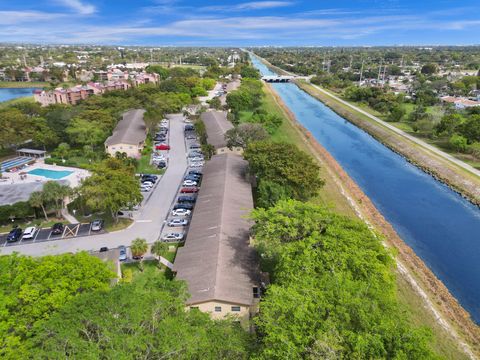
[29, 233]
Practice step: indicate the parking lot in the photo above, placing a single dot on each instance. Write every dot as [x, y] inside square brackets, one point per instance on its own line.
[42, 235]
[194, 164]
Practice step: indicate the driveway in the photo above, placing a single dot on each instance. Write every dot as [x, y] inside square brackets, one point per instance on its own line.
[149, 220]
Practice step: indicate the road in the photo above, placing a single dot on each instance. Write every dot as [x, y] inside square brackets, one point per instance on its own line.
[149, 220]
[417, 141]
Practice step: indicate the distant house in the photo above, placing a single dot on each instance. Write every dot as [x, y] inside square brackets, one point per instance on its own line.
[460, 102]
[216, 125]
[217, 261]
[129, 135]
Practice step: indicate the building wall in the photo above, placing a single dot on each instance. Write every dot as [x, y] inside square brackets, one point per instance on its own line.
[211, 307]
[131, 150]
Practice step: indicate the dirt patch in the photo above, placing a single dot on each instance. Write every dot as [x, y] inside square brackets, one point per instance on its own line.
[439, 300]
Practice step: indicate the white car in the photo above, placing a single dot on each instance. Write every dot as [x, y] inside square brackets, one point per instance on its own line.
[197, 159]
[178, 222]
[197, 164]
[173, 236]
[189, 183]
[188, 121]
[181, 212]
[145, 189]
[29, 233]
[147, 183]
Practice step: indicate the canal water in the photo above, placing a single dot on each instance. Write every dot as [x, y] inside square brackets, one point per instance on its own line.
[13, 93]
[438, 224]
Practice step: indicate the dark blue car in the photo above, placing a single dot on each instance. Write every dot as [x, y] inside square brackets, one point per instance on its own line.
[14, 235]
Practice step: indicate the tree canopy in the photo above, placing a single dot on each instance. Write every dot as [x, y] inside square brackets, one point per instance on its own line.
[333, 293]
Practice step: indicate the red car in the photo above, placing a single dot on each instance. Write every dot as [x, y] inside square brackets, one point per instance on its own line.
[162, 147]
[189, 190]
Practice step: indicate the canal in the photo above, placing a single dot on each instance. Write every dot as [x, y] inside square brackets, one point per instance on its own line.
[439, 225]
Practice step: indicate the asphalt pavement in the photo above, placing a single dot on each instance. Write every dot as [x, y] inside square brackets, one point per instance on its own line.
[148, 222]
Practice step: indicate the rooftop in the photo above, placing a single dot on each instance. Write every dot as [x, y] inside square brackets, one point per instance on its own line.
[130, 130]
[217, 261]
[216, 125]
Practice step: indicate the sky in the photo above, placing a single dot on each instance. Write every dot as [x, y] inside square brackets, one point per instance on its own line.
[237, 23]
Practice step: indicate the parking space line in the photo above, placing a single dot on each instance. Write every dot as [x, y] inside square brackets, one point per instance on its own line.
[36, 234]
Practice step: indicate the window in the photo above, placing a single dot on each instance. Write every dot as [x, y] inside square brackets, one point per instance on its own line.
[218, 309]
[235, 308]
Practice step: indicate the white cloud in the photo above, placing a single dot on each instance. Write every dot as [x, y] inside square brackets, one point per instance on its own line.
[253, 5]
[79, 6]
[17, 17]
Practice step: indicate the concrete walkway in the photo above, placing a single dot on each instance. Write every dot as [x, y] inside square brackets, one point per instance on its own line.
[417, 141]
[151, 217]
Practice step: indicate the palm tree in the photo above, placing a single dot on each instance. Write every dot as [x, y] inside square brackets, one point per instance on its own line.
[139, 247]
[158, 248]
[37, 201]
[56, 193]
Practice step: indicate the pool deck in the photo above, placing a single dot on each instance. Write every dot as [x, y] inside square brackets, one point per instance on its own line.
[13, 188]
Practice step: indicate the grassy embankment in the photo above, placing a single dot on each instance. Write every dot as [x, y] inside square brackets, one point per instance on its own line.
[443, 343]
[23, 84]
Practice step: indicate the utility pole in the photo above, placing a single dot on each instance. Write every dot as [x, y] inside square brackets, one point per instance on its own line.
[361, 73]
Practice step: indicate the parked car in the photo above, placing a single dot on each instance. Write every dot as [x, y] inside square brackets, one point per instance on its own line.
[189, 183]
[162, 164]
[189, 190]
[151, 176]
[57, 229]
[181, 212]
[172, 237]
[29, 233]
[197, 164]
[191, 137]
[97, 225]
[14, 235]
[177, 222]
[162, 147]
[186, 199]
[103, 249]
[197, 159]
[192, 177]
[145, 189]
[183, 206]
[195, 172]
[194, 154]
[187, 121]
[195, 146]
[189, 127]
[147, 183]
[122, 256]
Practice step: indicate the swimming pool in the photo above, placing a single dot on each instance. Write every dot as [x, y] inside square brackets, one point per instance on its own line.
[51, 174]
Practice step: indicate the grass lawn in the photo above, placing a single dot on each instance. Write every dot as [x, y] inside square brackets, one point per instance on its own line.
[144, 166]
[36, 222]
[23, 84]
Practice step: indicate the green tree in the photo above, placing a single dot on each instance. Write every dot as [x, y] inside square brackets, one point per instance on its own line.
[285, 165]
[111, 187]
[139, 247]
[33, 288]
[144, 319]
[396, 114]
[37, 200]
[458, 142]
[54, 192]
[429, 69]
[448, 124]
[159, 248]
[62, 150]
[85, 132]
[244, 134]
[333, 291]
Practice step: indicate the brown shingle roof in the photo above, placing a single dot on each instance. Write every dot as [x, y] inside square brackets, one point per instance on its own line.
[217, 261]
[130, 130]
[216, 125]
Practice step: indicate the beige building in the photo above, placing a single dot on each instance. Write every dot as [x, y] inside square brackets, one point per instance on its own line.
[129, 135]
[217, 261]
[216, 125]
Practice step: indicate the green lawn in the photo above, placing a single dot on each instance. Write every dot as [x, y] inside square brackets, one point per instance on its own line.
[23, 84]
[144, 166]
